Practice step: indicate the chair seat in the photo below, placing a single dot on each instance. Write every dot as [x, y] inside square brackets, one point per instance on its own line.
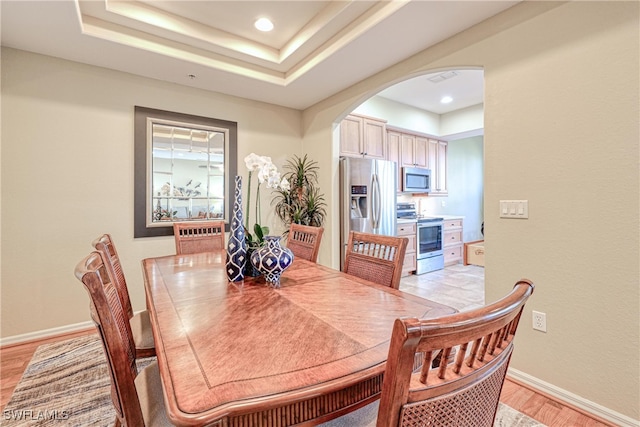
[142, 334]
[149, 389]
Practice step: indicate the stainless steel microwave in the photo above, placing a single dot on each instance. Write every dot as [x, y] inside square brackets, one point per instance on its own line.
[416, 180]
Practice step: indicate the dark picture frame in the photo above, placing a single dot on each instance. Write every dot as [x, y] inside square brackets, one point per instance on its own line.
[142, 193]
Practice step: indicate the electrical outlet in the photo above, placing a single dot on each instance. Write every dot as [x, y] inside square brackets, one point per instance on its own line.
[540, 321]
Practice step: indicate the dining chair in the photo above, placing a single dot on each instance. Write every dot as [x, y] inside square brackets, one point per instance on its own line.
[198, 236]
[304, 241]
[139, 322]
[375, 257]
[136, 396]
[465, 392]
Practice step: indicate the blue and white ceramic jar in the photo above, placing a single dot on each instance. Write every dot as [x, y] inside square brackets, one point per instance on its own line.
[272, 259]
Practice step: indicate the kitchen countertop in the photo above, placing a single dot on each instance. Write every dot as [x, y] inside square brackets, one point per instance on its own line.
[446, 217]
[407, 221]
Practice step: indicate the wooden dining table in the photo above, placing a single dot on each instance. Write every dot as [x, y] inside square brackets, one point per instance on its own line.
[243, 354]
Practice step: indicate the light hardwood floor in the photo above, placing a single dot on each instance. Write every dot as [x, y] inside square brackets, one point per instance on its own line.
[459, 286]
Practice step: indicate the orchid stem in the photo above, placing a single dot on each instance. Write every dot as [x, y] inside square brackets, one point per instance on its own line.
[246, 221]
[258, 210]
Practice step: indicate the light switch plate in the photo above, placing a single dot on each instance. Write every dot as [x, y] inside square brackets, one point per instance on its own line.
[514, 209]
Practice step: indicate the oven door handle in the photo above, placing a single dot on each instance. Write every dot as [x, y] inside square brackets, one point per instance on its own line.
[375, 201]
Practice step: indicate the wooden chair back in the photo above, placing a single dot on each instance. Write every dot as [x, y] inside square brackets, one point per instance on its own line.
[375, 257]
[113, 326]
[198, 236]
[105, 245]
[304, 241]
[465, 392]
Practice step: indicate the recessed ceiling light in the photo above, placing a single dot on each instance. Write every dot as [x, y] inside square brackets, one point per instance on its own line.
[263, 24]
[446, 99]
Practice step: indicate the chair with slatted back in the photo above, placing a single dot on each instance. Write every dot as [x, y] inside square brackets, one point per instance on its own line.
[198, 236]
[465, 392]
[139, 322]
[375, 257]
[136, 396]
[304, 241]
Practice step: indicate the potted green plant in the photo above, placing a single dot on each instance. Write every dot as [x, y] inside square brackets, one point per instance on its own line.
[301, 203]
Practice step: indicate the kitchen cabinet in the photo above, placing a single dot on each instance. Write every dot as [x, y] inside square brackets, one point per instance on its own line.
[393, 152]
[408, 230]
[414, 151]
[452, 245]
[438, 165]
[362, 136]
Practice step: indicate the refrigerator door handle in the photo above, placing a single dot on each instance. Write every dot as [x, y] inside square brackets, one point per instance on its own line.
[375, 201]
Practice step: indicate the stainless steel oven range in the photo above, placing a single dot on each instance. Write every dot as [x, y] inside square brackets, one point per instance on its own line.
[430, 255]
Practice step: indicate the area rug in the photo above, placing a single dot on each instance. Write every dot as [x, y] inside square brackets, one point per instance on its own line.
[67, 384]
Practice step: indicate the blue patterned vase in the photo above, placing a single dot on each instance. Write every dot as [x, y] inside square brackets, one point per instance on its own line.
[237, 246]
[272, 259]
[249, 269]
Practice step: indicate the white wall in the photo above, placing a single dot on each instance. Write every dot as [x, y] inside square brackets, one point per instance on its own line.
[562, 131]
[67, 176]
[462, 123]
[400, 115]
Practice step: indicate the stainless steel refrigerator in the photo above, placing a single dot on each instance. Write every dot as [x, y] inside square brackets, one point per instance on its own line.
[367, 198]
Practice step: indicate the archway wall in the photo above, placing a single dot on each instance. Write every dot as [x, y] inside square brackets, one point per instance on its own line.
[561, 131]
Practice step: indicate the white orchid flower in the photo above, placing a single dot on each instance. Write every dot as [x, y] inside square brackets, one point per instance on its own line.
[284, 184]
[267, 171]
[254, 162]
[274, 180]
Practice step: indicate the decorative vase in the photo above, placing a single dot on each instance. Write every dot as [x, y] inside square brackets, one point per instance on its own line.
[249, 269]
[272, 259]
[237, 246]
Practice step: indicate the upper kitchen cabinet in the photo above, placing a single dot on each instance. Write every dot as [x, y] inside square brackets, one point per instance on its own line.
[414, 152]
[438, 165]
[362, 136]
[394, 139]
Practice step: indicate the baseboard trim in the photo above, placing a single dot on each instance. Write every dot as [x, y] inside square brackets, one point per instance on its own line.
[46, 333]
[579, 403]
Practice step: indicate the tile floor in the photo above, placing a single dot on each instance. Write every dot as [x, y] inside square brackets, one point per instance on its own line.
[459, 286]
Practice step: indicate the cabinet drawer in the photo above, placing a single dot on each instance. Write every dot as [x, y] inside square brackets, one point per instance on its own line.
[452, 238]
[406, 229]
[452, 254]
[452, 223]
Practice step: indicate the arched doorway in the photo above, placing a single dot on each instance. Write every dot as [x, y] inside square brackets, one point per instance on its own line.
[451, 134]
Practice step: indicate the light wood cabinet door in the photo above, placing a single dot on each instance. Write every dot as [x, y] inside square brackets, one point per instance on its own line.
[414, 152]
[408, 230]
[351, 136]
[441, 175]
[421, 152]
[407, 150]
[363, 137]
[375, 139]
[393, 152]
[438, 165]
